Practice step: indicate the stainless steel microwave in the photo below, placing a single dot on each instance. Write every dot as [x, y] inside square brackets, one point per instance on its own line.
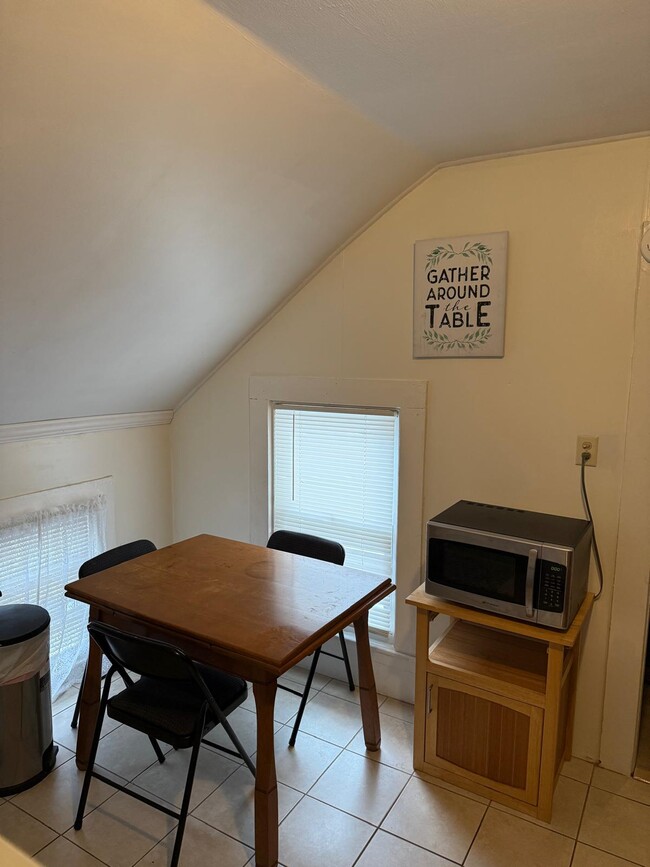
[526, 565]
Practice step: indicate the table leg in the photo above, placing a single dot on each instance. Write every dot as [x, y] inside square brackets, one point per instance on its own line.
[367, 690]
[90, 695]
[266, 786]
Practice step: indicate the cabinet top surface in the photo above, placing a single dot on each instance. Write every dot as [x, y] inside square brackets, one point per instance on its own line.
[425, 601]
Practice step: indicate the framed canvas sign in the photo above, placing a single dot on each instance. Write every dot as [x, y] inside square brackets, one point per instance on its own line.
[459, 296]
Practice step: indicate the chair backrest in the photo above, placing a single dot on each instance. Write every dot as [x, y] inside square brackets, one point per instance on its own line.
[146, 657]
[115, 556]
[307, 546]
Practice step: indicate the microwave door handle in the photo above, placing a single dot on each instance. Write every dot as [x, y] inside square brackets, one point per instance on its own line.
[530, 580]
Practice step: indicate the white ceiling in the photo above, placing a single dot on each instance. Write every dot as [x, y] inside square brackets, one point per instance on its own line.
[167, 179]
[460, 78]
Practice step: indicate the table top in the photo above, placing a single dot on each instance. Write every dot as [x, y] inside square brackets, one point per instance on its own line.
[251, 601]
[421, 599]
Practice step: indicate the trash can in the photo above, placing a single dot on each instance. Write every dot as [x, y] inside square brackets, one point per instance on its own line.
[27, 751]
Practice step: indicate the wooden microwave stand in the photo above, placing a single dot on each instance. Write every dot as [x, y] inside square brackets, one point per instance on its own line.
[494, 703]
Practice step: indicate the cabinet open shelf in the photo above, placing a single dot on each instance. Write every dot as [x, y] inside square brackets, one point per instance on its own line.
[505, 664]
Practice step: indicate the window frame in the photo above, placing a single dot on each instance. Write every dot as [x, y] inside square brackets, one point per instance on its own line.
[409, 399]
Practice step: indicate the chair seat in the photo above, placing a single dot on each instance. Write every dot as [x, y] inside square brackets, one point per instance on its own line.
[168, 711]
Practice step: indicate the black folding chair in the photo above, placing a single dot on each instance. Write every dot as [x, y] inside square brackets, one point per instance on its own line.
[176, 700]
[112, 557]
[318, 549]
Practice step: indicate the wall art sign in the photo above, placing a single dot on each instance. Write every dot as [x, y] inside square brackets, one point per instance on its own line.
[459, 296]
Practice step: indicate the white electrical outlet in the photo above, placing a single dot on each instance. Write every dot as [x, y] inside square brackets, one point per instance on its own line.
[589, 444]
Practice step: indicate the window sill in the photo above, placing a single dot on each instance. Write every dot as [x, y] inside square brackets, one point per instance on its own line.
[378, 643]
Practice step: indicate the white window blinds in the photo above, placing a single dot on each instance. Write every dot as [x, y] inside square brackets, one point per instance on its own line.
[40, 553]
[335, 474]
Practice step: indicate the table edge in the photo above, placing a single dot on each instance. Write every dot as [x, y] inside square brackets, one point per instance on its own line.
[304, 649]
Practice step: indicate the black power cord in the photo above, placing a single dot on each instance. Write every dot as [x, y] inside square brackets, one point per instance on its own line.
[585, 499]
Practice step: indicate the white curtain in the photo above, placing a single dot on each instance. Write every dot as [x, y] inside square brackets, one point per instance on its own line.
[39, 554]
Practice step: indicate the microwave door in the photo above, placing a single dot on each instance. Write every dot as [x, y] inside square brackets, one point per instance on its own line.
[479, 569]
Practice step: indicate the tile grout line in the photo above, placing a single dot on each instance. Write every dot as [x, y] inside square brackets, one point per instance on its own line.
[480, 825]
[92, 810]
[40, 821]
[220, 831]
[303, 795]
[115, 792]
[306, 794]
[619, 795]
[157, 843]
[216, 788]
[582, 815]
[383, 819]
[457, 791]
[573, 852]
[590, 845]
[354, 815]
[76, 845]
[529, 819]
[418, 845]
[360, 855]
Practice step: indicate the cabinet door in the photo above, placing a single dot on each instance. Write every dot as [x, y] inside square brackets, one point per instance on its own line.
[485, 737]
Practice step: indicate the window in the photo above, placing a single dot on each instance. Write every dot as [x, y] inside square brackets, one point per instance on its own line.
[44, 538]
[335, 474]
[406, 398]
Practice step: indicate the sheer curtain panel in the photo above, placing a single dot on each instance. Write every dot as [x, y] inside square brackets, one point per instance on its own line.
[40, 553]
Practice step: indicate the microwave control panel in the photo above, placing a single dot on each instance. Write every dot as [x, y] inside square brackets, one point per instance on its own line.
[552, 581]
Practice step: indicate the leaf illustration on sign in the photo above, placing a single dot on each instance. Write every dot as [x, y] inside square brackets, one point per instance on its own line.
[472, 340]
[446, 251]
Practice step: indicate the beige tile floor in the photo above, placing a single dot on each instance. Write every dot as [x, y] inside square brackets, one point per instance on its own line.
[338, 805]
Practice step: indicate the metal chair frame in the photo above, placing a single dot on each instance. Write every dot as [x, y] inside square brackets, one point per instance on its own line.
[99, 563]
[317, 548]
[99, 633]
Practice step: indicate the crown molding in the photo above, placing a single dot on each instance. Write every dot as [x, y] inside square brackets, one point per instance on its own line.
[31, 430]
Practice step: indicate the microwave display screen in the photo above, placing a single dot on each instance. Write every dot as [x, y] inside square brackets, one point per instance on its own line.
[476, 569]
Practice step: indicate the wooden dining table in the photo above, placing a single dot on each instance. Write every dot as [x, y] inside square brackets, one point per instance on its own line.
[248, 610]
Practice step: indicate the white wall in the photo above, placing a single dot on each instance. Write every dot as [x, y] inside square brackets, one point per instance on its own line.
[498, 430]
[136, 458]
[630, 617]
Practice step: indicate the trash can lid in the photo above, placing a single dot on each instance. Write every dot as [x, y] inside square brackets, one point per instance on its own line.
[21, 622]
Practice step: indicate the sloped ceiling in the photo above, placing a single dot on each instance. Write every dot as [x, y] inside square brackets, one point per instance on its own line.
[461, 78]
[167, 177]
